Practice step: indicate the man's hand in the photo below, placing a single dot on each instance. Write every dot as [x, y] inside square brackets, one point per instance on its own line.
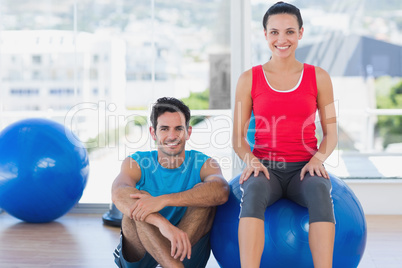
[179, 241]
[145, 205]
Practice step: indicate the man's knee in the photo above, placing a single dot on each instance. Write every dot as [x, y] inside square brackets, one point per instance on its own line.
[197, 222]
[210, 211]
[130, 244]
[201, 216]
[128, 225]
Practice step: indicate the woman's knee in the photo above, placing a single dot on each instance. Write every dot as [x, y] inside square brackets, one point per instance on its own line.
[317, 194]
[257, 195]
[316, 186]
[255, 183]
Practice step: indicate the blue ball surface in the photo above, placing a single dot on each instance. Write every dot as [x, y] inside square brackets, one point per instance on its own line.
[43, 170]
[286, 231]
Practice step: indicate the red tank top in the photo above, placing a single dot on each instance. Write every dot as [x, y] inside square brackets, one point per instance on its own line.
[285, 120]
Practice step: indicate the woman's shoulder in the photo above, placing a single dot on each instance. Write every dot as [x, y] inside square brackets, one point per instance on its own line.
[321, 74]
[323, 80]
[246, 77]
[248, 74]
[318, 70]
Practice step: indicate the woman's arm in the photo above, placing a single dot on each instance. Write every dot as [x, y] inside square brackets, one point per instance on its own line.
[241, 120]
[327, 113]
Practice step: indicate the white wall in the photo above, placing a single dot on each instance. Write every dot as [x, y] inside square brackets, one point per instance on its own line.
[378, 196]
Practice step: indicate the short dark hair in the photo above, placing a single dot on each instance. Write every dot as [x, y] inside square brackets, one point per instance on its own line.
[169, 104]
[282, 8]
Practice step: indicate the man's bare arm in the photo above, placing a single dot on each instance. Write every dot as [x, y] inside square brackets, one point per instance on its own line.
[213, 191]
[124, 185]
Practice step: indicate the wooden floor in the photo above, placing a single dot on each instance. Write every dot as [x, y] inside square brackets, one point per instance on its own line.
[81, 240]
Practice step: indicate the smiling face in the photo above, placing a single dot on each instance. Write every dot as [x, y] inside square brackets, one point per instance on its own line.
[283, 34]
[171, 134]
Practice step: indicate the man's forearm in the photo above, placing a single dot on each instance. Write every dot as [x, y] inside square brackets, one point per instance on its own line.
[206, 194]
[157, 220]
[121, 198]
[124, 205]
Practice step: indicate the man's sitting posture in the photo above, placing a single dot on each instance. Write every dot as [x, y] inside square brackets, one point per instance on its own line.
[168, 196]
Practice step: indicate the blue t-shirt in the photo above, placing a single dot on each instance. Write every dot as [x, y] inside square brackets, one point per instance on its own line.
[157, 180]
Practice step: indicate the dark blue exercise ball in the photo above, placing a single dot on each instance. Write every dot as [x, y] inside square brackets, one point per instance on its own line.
[43, 170]
[286, 231]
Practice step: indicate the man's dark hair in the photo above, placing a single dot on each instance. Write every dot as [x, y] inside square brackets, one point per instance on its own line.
[169, 104]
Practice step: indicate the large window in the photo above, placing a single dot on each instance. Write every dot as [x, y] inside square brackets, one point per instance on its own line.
[97, 66]
[359, 44]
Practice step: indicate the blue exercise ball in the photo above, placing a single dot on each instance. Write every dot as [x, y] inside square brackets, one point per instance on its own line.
[286, 231]
[43, 170]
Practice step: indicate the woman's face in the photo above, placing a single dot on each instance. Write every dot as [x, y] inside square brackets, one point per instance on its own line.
[283, 34]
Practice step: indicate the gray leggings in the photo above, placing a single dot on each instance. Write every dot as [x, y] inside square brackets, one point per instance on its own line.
[313, 192]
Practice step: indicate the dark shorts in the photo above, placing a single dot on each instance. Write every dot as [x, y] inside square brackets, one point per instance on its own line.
[313, 192]
[199, 256]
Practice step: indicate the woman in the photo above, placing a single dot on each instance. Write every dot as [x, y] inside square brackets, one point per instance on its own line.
[284, 95]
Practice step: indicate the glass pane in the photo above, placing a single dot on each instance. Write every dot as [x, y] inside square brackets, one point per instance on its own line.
[173, 55]
[129, 60]
[37, 15]
[96, 66]
[31, 39]
[356, 43]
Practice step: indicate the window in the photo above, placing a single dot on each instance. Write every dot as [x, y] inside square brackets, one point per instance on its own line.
[93, 74]
[123, 53]
[24, 91]
[95, 59]
[358, 51]
[61, 91]
[36, 59]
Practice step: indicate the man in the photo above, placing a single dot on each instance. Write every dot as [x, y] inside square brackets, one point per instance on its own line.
[167, 197]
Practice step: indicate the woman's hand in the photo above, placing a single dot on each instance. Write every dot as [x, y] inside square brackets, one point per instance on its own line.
[253, 167]
[314, 166]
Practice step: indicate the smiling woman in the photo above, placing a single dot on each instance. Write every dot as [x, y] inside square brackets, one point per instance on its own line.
[283, 33]
[284, 96]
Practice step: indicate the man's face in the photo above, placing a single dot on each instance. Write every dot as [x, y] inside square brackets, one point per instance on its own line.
[171, 134]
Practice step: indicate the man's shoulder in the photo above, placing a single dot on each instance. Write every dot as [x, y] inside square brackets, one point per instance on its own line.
[196, 158]
[142, 154]
[196, 154]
